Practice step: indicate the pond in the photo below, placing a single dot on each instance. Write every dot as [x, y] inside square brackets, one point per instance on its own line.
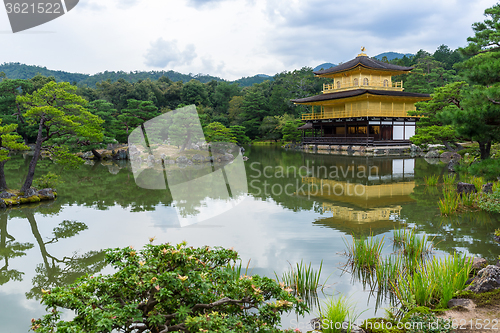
[299, 206]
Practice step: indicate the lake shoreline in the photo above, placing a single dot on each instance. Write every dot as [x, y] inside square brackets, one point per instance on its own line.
[11, 198]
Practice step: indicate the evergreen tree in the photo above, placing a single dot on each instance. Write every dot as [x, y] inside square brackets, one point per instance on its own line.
[58, 112]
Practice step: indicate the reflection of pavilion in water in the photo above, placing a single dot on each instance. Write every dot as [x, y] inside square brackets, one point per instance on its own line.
[372, 203]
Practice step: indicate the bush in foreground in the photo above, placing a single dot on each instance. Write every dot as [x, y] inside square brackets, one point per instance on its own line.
[165, 288]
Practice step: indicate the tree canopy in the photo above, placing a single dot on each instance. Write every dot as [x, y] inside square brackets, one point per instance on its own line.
[165, 288]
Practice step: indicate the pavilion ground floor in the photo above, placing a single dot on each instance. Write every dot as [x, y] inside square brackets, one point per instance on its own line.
[367, 131]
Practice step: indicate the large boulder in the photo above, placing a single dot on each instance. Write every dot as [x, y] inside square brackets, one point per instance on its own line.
[228, 157]
[197, 158]
[151, 159]
[462, 304]
[133, 151]
[465, 188]
[415, 149]
[487, 188]
[181, 160]
[479, 263]
[432, 154]
[121, 155]
[487, 279]
[29, 192]
[449, 156]
[6, 195]
[46, 194]
[88, 155]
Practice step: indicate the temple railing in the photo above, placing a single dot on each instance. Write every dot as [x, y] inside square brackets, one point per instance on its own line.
[356, 114]
[333, 87]
[362, 140]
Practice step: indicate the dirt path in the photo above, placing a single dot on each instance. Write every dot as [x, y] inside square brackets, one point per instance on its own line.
[478, 319]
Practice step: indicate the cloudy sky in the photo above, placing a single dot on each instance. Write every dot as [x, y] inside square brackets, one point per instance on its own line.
[235, 38]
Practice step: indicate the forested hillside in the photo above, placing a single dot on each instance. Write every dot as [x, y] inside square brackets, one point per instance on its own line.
[260, 111]
[230, 111]
[22, 71]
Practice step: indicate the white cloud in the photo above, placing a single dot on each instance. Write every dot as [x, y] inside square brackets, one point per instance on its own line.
[90, 5]
[125, 4]
[202, 3]
[163, 53]
[235, 38]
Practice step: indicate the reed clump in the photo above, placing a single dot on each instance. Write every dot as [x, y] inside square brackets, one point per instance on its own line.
[334, 312]
[449, 203]
[453, 203]
[388, 270]
[433, 282]
[411, 244]
[304, 279]
[431, 180]
[365, 253]
[449, 179]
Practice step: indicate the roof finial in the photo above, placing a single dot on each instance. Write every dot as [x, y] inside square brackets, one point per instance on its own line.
[363, 54]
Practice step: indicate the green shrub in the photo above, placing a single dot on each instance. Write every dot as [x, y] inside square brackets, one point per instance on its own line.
[168, 288]
[49, 180]
[490, 202]
[489, 169]
[472, 151]
[427, 323]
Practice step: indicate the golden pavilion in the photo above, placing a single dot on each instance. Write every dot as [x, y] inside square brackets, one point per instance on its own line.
[362, 105]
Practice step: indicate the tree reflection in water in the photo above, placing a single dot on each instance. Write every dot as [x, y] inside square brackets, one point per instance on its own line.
[10, 249]
[53, 271]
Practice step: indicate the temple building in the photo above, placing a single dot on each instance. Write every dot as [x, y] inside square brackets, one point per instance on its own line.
[362, 106]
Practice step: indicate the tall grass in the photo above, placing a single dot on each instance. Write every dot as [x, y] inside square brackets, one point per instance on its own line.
[365, 253]
[478, 183]
[388, 270]
[399, 236]
[449, 179]
[469, 199]
[304, 279]
[335, 311]
[431, 180]
[412, 245]
[433, 282]
[449, 203]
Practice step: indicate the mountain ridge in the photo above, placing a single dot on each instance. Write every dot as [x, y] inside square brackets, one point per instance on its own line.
[16, 70]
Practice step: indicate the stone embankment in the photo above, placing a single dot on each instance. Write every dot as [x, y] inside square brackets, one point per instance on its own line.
[12, 198]
[112, 152]
[196, 154]
[412, 150]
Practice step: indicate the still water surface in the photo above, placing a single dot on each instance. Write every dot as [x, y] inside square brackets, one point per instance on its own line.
[303, 206]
